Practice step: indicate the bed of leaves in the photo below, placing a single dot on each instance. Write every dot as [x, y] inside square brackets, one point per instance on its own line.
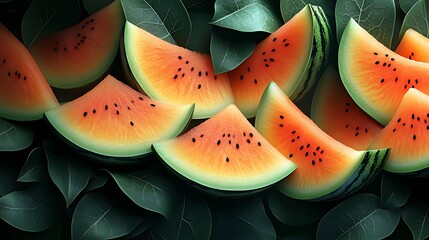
[48, 191]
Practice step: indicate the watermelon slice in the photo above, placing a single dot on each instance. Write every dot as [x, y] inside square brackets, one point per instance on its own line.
[376, 77]
[293, 56]
[81, 54]
[414, 46]
[335, 112]
[327, 169]
[225, 156]
[113, 123]
[24, 93]
[171, 73]
[407, 134]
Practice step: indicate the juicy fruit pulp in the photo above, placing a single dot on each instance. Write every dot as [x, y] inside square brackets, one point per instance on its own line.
[24, 92]
[293, 57]
[225, 153]
[335, 112]
[114, 121]
[326, 168]
[407, 134]
[414, 46]
[81, 54]
[376, 77]
[171, 73]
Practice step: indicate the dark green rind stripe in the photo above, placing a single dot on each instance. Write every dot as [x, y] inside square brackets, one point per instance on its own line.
[369, 168]
[320, 53]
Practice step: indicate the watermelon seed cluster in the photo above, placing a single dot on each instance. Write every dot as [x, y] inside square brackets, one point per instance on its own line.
[80, 37]
[347, 109]
[201, 73]
[414, 120]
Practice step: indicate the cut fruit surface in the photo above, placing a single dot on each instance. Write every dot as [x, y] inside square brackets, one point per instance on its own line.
[414, 46]
[376, 77]
[293, 56]
[81, 54]
[335, 112]
[24, 93]
[117, 124]
[171, 73]
[326, 168]
[225, 154]
[407, 135]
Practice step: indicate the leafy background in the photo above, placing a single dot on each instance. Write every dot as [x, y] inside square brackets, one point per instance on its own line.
[48, 191]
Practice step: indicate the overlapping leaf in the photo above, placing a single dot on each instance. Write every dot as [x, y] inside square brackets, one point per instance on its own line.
[417, 18]
[14, 137]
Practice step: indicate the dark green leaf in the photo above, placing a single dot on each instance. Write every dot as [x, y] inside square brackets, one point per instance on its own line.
[416, 216]
[148, 189]
[358, 217]
[93, 6]
[246, 15]
[34, 209]
[5, 1]
[243, 218]
[417, 18]
[191, 219]
[289, 8]
[140, 229]
[376, 16]
[35, 168]
[228, 49]
[294, 212]
[97, 180]
[67, 171]
[10, 165]
[98, 216]
[199, 5]
[48, 16]
[14, 137]
[406, 5]
[395, 190]
[201, 30]
[167, 20]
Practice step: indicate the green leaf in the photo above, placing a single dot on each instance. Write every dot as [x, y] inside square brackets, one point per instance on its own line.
[358, 217]
[5, 1]
[228, 49]
[67, 170]
[97, 180]
[246, 15]
[148, 189]
[14, 137]
[293, 212]
[140, 229]
[416, 216]
[33, 209]
[199, 5]
[35, 168]
[191, 219]
[243, 218]
[376, 16]
[417, 18]
[201, 32]
[48, 16]
[10, 165]
[406, 5]
[395, 190]
[99, 216]
[93, 6]
[167, 20]
[289, 8]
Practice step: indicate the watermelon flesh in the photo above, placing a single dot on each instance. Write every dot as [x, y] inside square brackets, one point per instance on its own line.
[326, 168]
[81, 54]
[335, 112]
[414, 46]
[376, 77]
[225, 154]
[167, 72]
[114, 123]
[291, 56]
[407, 135]
[24, 93]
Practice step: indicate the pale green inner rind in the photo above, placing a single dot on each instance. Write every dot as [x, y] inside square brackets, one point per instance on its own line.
[213, 181]
[35, 113]
[82, 141]
[345, 64]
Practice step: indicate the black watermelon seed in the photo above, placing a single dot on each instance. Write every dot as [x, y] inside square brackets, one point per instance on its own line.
[394, 130]
[227, 159]
[19, 75]
[218, 142]
[75, 47]
[229, 135]
[106, 107]
[192, 68]
[387, 55]
[175, 76]
[274, 39]
[356, 134]
[346, 110]
[394, 69]
[382, 80]
[293, 132]
[229, 141]
[241, 77]
[412, 116]
[193, 140]
[281, 116]
[183, 74]
[290, 155]
[92, 28]
[412, 125]
[248, 69]
[223, 135]
[399, 120]
[300, 148]
[65, 49]
[140, 98]
[414, 137]
[259, 144]
[8, 73]
[271, 59]
[85, 114]
[131, 123]
[115, 104]
[375, 53]
[405, 86]
[417, 81]
[55, 49]
[263, 53]
[306, 154]
[388, 65]
[284, 40]
[412, 53]
[128, 108]
[153, 105]
[248, 140]
[317, 148]
[92, 20]
[187, 62]
[427, 127]
[287, 44]
[357, 128]
[396, 79]
[4, 60]
[199, 86]
[366, 130]
[199, 73]
[281, 125]
[384, 64]
[94, 111]
[78, 35]
[418, 118]
[255, 81]
[347, 125]
[320, 160]
[207, 73]
[244, 134]
[267, 65]
[25, 78]
[273, 50]
[237, 146]
[16, 73]
[321, 152]
[403, 124]
[251, 134]
[265, 60]
[215, 77]
[313, 162]
[117, 112]
[180, 57]
[293, 140]
[409, 81]
[392, 59]
[308, 145]
[377, 62]
[179, 69]
[83, 37]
